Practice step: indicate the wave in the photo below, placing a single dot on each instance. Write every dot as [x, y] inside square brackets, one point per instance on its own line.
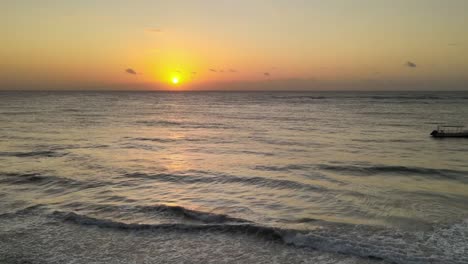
[386, 113]
[246, 228]
[39, 179]
[278, 142]
[59, 147]
[39, 153]
[257, 153]
[403, 170]
[374, 97]
[310, 97]
[225, 178]
[159, 140]
[206, 217]
[19, 113]
[386, 140]
[23, 211]
[159, 122]
[163, 140]
[290, 167]
[443, 244]
[300, 220]
[171, 212]
[140, 146]
[409, 97]
[195, 125]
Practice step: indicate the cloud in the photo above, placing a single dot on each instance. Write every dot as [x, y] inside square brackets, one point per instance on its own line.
[410, 64]
[223, 70]
[130, 71]
[194, 73]
[267, 74]
[453, 44]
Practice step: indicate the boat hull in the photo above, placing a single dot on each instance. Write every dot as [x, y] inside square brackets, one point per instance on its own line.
[454, 135]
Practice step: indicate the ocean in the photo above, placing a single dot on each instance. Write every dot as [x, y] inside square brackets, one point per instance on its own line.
[232, 177]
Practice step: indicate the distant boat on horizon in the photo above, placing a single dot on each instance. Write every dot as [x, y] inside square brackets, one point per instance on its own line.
[450, 131]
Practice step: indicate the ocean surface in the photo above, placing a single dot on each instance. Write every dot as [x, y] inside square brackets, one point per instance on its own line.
[327, 177]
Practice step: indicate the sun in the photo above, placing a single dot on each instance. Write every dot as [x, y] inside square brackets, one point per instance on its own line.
[175, 80]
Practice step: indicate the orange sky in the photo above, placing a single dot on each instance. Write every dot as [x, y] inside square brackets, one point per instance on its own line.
[253, 45]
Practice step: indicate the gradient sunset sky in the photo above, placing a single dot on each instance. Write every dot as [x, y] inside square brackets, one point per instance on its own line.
[238, 45]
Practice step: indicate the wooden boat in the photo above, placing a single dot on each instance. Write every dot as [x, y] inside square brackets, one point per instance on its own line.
[450, 131]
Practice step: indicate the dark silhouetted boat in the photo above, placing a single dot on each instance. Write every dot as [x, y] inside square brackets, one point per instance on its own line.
[450, 131]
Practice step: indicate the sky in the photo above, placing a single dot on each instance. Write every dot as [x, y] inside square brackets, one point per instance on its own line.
[234, 45]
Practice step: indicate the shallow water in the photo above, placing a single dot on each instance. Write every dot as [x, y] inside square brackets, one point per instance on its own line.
[355, 173]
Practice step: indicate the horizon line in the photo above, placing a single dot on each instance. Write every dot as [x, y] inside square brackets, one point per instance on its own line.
[198, 91]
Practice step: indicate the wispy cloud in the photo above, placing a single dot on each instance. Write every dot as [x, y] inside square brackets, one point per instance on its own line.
[223, 70]
[130, 71]
[267, 74]
[410, 64]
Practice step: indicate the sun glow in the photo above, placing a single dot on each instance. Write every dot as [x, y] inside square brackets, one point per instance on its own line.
[175, 80]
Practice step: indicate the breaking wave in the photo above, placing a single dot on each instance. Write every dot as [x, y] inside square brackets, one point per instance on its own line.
[162, 210]
[442, 244]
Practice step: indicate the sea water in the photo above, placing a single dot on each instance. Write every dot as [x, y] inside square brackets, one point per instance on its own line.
[237, 176]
